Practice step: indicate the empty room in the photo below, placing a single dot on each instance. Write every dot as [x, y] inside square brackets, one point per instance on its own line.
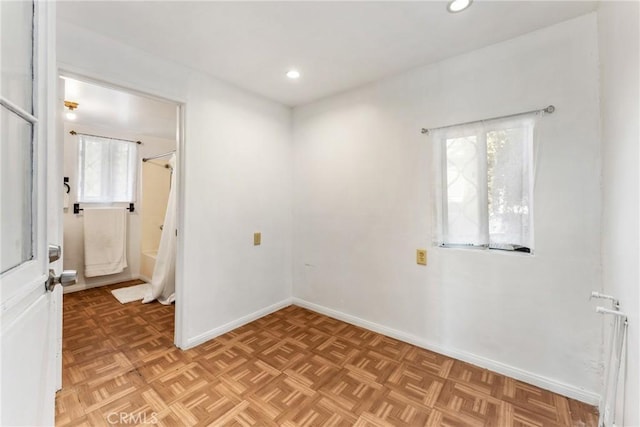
[318, 213]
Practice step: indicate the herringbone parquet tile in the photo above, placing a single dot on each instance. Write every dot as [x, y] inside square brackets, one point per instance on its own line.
[290, 368]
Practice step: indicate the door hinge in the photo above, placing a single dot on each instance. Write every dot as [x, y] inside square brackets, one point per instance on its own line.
[55, 251]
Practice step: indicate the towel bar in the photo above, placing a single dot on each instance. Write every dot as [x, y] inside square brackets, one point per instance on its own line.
[77, 208]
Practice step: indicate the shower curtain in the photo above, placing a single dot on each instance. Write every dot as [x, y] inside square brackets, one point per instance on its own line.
[163, 283]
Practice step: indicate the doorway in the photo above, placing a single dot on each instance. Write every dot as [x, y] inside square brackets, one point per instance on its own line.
[106, 132]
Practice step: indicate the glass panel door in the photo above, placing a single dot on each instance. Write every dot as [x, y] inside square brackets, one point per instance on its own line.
[17, 131]
[16, 53]
[30, 314]
[16, 167]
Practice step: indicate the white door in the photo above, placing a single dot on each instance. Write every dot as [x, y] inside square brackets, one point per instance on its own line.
[29, 313]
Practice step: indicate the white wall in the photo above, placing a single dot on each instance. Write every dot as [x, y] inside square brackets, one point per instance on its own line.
[237, 180]
[362, 208]
[74, 224]
[620, 93]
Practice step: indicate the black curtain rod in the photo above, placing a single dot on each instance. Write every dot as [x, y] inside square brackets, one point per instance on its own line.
[73, 132]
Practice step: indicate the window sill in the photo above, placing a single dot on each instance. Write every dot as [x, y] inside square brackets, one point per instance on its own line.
[485, 250]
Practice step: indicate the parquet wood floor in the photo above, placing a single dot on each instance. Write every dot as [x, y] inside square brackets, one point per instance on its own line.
[290, 368]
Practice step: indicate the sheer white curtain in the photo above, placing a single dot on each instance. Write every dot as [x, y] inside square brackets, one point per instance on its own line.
[483, 183]
[163, 280]
[460, 178]
[106, 170]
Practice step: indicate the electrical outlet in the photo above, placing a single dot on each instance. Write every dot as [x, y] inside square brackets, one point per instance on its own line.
[421, 256]
[257, 239]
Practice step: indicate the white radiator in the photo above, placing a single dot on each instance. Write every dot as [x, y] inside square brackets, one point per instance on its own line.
[613, 360]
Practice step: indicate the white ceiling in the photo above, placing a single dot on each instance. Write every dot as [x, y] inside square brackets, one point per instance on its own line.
[103, 107]
[335, 45]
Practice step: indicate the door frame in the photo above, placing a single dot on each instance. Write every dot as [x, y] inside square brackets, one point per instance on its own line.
[66, 70]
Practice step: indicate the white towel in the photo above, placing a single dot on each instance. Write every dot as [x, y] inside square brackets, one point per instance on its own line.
[105, 241]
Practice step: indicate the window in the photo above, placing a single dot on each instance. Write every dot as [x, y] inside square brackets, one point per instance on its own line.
[484, 184]
[106, 170]
[18, 135]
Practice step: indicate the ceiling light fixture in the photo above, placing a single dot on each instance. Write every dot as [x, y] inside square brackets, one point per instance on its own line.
[455, 6]
[71, 106]
[293, 74]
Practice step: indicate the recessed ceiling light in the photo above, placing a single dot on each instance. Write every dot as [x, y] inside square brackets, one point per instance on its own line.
[458, 5]
[293, 74]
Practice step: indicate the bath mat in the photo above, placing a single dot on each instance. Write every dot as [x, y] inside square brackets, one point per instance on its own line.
[132, 293]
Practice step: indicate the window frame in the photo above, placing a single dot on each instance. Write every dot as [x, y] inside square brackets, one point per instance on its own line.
[107, 177]
[30, 112]
[480, 132]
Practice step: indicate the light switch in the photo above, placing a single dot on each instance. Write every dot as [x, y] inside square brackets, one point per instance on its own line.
[257, 239]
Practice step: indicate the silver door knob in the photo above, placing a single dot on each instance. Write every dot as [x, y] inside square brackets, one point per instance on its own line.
[66, 278]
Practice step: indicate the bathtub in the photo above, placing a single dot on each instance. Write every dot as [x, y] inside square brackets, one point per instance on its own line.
[147, 263]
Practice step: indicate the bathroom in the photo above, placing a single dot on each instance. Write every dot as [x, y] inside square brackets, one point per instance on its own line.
[103, 125]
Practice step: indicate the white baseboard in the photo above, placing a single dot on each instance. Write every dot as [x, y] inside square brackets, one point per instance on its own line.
[84, 286]
[145, 278]
[501, 368]
[213, 333]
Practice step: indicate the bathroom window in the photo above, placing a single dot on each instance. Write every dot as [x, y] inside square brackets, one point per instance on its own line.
[484, 176]
[106, 170]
